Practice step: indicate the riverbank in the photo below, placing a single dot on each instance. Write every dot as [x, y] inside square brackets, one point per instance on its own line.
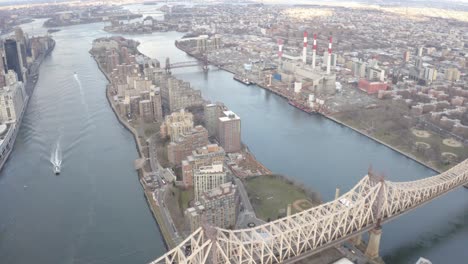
[328, 116]
[54, 22]
[9, 137]
[408, 155]
[155, 208]
[245, 163]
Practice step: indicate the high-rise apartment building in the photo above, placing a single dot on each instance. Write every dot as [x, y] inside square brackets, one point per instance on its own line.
[229, 131]
[178, 150]
[21, 40]
[157, 107]
[221, 205]
[204, 156]
[452, 74]
[359, 69]
[194, 216]
[218, 207]
[2, 59]
[146, 110]
[418, 62]
[11, 102]
[13, 58]
[2, 66]
[177, 94]
[207, 178]
[406, 56]
[430, 74]
[177, 124]
[112, 60]
[212, 113]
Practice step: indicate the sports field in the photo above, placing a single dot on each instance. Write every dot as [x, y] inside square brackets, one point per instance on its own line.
[270, 196]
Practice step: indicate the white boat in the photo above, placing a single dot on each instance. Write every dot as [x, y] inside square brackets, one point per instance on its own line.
[422, 260]
[56, 169]
[56, 158]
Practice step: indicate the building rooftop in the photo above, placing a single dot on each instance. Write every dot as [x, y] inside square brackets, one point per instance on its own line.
[212, 168]
[223, 189]
[229, 115]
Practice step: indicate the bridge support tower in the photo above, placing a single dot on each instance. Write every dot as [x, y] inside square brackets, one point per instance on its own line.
[356, 241]
[373, 246]
[168, 66]
[205, 62]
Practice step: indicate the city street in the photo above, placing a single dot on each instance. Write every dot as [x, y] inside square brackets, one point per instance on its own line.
[247, 217]
[160, 193]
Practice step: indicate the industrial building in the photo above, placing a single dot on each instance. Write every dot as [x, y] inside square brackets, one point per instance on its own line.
[297, 71]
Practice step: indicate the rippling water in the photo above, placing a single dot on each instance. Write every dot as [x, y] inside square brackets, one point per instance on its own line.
[323, 155]
[94, 211]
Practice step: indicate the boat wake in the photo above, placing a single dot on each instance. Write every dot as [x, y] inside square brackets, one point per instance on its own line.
[83, 101]
[56, 157]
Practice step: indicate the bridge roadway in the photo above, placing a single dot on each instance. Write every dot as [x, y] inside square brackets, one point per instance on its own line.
[184, 64]
[372, 202]
[202, 60]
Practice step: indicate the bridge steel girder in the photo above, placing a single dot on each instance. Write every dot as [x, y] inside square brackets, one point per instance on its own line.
[368, 204]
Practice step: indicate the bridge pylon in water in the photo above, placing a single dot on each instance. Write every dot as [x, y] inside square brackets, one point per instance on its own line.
[372, 202]
[203, 58]
[372, 250]
[205, 62]
[168, 66]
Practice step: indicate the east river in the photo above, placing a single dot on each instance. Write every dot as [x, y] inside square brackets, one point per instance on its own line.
[95, 211]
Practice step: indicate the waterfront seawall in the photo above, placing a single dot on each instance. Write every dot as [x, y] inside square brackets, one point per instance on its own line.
[330, 117]
[383, 143]
[29, 88]
[168, 240]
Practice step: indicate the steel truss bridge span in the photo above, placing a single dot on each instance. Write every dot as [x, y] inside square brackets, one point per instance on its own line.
[370, 203]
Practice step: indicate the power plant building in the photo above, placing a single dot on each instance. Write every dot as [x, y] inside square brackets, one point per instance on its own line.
[321, 82]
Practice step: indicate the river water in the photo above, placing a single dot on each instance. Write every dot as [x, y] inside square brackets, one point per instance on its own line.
[95, 212]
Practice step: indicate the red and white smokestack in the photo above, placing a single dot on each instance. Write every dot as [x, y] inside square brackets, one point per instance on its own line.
[314, 51]
[280, 50]
[329, 55]
[304, 49]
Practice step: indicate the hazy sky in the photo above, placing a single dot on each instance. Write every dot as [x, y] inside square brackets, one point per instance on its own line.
[285, 1]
